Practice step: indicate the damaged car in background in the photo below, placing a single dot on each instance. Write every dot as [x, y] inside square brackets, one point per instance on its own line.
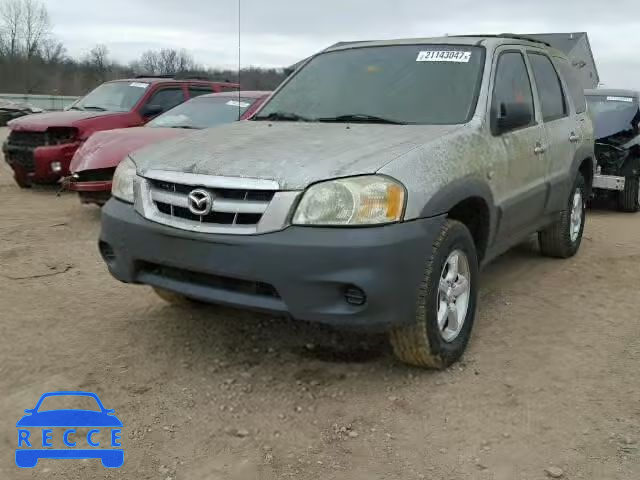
[94, 163]
[40, 147]
[10, 110]
[616, 116]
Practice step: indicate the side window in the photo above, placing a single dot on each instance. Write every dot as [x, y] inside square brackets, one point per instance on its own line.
[576, 92]
[512, 102]
[197, 90]
[167, 98]
[550, 92]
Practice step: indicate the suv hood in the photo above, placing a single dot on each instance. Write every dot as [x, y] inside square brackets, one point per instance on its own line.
[41, 121]
[294, 154]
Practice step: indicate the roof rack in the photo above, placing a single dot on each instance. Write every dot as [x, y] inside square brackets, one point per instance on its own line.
[154, 76]
[507, 35]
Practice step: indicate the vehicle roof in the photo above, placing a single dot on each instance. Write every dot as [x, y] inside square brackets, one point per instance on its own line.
[157, 80]
[242, 93]
[613, 92]
[480, 39]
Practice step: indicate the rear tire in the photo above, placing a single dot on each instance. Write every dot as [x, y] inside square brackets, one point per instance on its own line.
[562, 238]
[427, 342]
[629, 198]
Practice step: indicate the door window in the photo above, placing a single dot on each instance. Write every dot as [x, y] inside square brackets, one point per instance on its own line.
[552, 99]
[512, 92]
[167, 98]
[197, 90]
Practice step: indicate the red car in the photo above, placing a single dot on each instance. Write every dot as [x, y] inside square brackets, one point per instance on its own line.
[40, 147]
[95, 162]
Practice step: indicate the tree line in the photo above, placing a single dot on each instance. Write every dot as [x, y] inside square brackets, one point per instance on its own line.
[33, 61]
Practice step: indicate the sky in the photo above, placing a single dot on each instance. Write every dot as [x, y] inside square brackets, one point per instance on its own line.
[276, 33]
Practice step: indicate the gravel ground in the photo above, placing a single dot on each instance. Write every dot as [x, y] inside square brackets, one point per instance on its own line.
[549, 386]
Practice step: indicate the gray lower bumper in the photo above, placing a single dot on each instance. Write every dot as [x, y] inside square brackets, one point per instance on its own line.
[303, 272]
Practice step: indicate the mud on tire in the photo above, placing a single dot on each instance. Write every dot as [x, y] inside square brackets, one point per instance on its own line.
[422, 343]
[556, 240]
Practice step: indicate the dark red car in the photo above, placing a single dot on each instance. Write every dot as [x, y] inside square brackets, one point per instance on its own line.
[40, 147]
[95, 162]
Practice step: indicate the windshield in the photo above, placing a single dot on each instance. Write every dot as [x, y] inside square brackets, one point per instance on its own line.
[66, 402]
[414, 84]
[613, 114]
[203, 112]
[112, 97]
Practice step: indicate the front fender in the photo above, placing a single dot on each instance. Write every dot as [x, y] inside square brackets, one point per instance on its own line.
[457, 191]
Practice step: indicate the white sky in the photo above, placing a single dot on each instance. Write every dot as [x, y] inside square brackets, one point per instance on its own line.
[277, 33]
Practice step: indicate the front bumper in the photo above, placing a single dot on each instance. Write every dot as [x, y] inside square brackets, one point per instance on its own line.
[33, 165]
[96, 192]
[305, 272]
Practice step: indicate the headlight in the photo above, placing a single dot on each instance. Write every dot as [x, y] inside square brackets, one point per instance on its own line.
[122, 186]
[366, 200]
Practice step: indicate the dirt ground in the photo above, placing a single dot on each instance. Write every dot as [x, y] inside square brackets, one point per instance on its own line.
[551, 377]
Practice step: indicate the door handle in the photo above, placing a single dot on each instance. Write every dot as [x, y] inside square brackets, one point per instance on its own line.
[540, 149]
[573, 138]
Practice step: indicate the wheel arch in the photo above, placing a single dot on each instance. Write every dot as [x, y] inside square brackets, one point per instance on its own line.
[469, 201]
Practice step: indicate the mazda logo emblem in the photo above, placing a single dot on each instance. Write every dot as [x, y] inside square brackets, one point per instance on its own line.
[200, 202]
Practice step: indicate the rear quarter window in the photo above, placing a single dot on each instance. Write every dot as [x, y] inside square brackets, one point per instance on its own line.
[570, 76]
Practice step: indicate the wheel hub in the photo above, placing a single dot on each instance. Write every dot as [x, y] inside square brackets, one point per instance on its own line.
[577, 211]
[453, 295]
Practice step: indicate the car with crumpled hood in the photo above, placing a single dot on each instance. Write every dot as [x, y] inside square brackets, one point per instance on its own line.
[616, 118]
[94, 163]
[367, 191]
[40, 147]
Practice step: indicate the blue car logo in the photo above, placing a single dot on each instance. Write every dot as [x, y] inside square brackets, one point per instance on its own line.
[35, 430]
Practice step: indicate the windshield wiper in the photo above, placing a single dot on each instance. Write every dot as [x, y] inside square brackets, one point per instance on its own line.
[284, 116]
[75, 108]
[361, 118]
[95, 107]
[190, 127]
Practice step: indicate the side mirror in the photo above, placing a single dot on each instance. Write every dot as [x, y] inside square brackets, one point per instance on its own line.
[151, 110]
[510, 116]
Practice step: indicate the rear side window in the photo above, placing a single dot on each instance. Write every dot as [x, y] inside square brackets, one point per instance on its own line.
[576, 92]
[552, 99]
[167, 98]
[197, 90]
[512, 86]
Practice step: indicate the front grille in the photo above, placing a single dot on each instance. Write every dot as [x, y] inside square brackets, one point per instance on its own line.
[98, 175]
[230, 206]
[53, 136]
[23, 159]
[212, 281]
[28, 139]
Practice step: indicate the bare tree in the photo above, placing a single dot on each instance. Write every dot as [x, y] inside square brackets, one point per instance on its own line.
[36, 26]
[52, 51]
[149, 63]
[167, 61]
[11, 25]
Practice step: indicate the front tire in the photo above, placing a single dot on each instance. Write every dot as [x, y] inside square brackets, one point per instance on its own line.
[446, 306]
[562, 238]
[629, 198]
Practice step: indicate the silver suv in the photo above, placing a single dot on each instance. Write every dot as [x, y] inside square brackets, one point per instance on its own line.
[368, 191]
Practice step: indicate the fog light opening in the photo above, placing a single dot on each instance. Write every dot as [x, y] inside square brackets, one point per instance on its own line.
[108, 255]
[56, 167]
[355, 296]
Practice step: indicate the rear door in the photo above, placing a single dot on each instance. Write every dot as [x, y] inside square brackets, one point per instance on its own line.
[522, 146]
[561, 129]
